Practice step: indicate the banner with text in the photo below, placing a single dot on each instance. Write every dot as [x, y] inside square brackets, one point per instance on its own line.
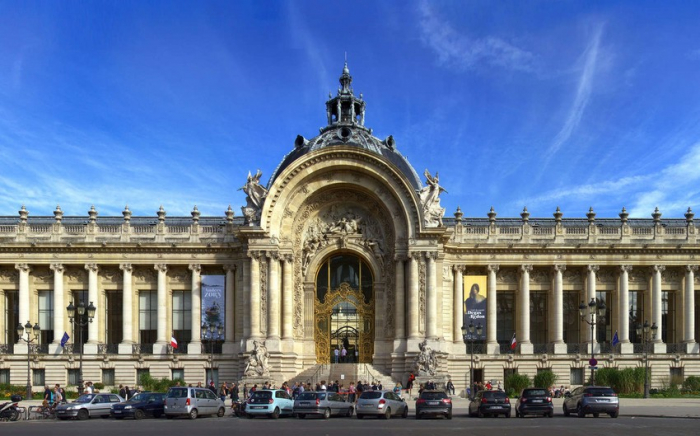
[475, 295]
[213, 303]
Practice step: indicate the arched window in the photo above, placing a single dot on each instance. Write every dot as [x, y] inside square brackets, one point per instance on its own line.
[344, 268]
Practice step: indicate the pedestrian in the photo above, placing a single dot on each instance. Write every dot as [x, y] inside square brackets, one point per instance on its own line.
[234, 392]
[397, 389]
[223, 392]
[409, 384]
[245, 391]
[450, 387]
[336, 353]
[57, 397]
[122, 391]
[351, 392]
[344, 355]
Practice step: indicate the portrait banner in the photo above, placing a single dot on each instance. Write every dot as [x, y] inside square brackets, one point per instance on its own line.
[475, 295]
[213, 301]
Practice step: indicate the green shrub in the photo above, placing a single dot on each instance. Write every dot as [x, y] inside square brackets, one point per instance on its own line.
[516, 383]
[692, 383]
[149, 383]
[99, 386]
[626, 381]
[545, 379]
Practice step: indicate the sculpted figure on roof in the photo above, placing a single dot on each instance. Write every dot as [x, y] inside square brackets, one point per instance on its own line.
[430, 200]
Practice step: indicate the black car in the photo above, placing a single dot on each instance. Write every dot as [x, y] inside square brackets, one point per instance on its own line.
[140, 406]
[490, 403]
[433, 403]
[534, 401]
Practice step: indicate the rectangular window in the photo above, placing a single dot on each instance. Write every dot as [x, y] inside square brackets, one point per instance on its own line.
[73, 377]
[213, 375]
[113, 317]
[572, 324]
[668, 317]
[108, 377]
[182, 319]
[576, 376]
[38, 377]
[636, 314]
[46, 316]
[178, 374]
[604, 331]
[80, 335]
[505, 302]
[538, 317]
[11, 317]
[4, 376]
[676, 375]
[148, 316]
[140, 372]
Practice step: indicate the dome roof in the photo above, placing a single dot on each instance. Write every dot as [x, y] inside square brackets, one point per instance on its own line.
[346, 119]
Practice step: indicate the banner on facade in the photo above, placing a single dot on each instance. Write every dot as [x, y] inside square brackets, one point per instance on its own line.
[475, 295]
[213, 302]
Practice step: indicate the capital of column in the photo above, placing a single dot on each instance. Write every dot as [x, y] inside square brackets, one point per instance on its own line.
[161, 267]
[400, 257]
[658, 268]
[230, 267]
[92, 267]
[195, 267]
[126, 267]
[691, 268]
[457, 268]
[23, 267]
[626, 268]
[431, 255]
[273, 255]
[526, 268]
[416, 255]
[58, 268]
[593, 268]
[559, 268]
[288, 258]
[493, 267]
[255, 255]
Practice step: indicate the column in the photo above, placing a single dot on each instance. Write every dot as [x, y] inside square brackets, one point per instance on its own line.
[229, 328]
[689, 310]
[59, 308]
[93, 297]
[413, 299]
[245, 281]
[195, 345]
[458, 304]
[254, 308]
[558, 305]
[623, 332]
[126, 346]
[492, 346]
[659, 346]
[287, 298]
[161, 345]
[273, 298]
[431, 297]
[23, 301]
[524, 311]
[590, 294]
[399, 300]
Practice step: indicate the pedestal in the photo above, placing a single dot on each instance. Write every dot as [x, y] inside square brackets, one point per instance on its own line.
[89, 348]
[194, 347]
[526, 348]
[160, 349]
[559, 348]
[55, 349]
[493, 349]
[21, 348]
[627, 348]
[658, 348]
[691, 348]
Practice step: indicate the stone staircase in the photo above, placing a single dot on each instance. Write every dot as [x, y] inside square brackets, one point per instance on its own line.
[345, 373]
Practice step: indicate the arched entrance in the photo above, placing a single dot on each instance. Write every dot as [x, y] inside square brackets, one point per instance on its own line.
[344, 309]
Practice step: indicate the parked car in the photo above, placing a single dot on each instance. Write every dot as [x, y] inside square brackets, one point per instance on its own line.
[383, 404]
[88, 406]
[269, 402]
[140, 406]
[433, 403]
[490, 403]
[324, 404]
[534, 401]
[192, 402]
[592, 400]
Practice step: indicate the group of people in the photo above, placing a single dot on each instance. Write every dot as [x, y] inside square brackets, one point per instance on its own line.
[126, 393]
[54, 396]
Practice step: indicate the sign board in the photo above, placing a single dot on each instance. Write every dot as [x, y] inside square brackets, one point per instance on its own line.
[593, 362]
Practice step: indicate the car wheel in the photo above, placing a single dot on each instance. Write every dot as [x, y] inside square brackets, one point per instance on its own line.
[194, 414]
[326, 413]
[579, 411]
[301, 415]
[405, 412]
[221, 412]
[276, 413]
[449, 415]
[387, 414]
[614, 414]
[566, 411]
[83, 414]
[348, 414]
[359, 416]
[138, 414]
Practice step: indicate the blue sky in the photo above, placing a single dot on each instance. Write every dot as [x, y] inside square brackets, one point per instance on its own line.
[515, 103]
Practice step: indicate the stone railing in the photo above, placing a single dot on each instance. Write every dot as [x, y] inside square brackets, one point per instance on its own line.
[142, 349]
[7, 348]
[108, 349]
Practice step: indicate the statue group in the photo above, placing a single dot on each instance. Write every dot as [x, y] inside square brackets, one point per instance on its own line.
[426, 363]
[257, 364]
[430, 200]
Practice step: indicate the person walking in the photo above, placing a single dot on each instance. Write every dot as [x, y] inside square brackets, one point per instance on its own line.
[344, 355]
[450, 387]
[336, 353]
[234, 392]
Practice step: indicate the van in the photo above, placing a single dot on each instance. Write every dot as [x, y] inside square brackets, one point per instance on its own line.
[192, 402]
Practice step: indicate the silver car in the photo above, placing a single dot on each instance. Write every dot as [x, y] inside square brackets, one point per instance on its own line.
[384, 404]
[88, 405]
[325, 404]
[192, 402]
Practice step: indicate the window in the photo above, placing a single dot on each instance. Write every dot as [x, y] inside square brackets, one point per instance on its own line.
[572, 324]
[38, 377]
[108, 377]
[148, 316]
[538, 317]
[505, 302]
[80, 334]
[604, 331]
[676, 375]
[178, 374]
[182, 318]
[73, 376]
[11, 317]
[668, 317]
[576, 376]
[636, 314]
[46, 316]
[4, 376]
[141, 372]
[344, 268]
[113, 317]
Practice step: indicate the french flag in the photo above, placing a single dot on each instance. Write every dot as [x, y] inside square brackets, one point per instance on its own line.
[513, 343]
[173, 342]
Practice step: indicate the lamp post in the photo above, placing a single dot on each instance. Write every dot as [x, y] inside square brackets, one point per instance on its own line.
[468, 337]
[20, 332]
[596, 312]
[219, 330]
[647, 334]
[82, 319]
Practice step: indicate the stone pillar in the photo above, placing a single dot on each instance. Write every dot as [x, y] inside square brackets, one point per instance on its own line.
[431, 297]
[59, 308]
[287, 298]
[659, 346]
[273, 298]
[93, 297]
[161, 345]
[626, 347]
[558, 304]
[126, 345]
[229, 328]
[24, 308]
[524, 311]
[245, 281]
[492, 346]
[195, 345]
[590, 294]
[400, 300]
[413, 299]
[689, 310]
[458, 304]
[254, 308]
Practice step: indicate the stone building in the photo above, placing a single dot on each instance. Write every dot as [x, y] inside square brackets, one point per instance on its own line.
[345, 247]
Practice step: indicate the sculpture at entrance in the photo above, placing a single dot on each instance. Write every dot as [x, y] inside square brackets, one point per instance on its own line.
[426, 362]
[257, 362]
[255, 199]
[430, 200]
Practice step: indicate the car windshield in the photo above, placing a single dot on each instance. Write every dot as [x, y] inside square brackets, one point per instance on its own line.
[138, 398]
[600, 392]
[84, 398]
[433, 395]
[371, 395]
[494, 394]
[534, 393]
[262, 395]
[177, 393]
[307, 396]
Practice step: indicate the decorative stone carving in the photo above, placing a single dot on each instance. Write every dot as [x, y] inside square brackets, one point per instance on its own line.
[606, 275]
[263, 295]
[671, 276]
[257, 364]
[430, 200]
[507, 275]
[256, 194]
[422, 298]
[426, 363]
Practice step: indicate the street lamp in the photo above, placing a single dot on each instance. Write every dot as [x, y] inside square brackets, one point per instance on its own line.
[644, 333]
[81, 320]
[219, 330]
[469, 338]
[20, 332]
[593, 310]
